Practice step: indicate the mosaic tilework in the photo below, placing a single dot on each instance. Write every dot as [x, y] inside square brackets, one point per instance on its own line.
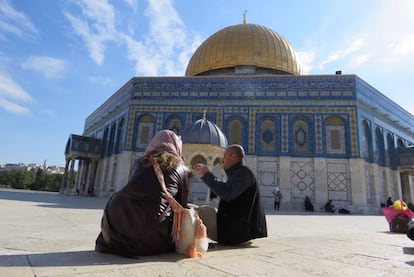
[235, 86]
[302, 180]
[338, 182]
[335, 145]
[251, 114]
[268, 173]
[369, 182]
[318, 134]
[285, 133]
[136, 111]
[384, 185]
[252, 132]
[345, 112]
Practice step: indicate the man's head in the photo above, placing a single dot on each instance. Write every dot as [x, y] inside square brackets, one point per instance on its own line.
[233, 154]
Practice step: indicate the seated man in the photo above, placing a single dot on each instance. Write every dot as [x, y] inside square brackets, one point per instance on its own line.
[330, 207]
[240, 215]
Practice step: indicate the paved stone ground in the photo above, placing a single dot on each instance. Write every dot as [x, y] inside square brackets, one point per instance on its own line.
[48, 234]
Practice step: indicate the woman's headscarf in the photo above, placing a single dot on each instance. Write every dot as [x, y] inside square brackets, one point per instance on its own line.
[167, 141]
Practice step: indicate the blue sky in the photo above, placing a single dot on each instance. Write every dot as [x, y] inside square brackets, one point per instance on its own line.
[61, 59]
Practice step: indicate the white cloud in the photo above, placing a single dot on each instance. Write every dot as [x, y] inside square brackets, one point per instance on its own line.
[12, 107]
[15, 23]
[96, 27]
[305, 59]
[50, 67]
[359, 60]
[343, 53]
[166, 49]
[389, 37]
[11, 89]
[10, 92]
[146, 61]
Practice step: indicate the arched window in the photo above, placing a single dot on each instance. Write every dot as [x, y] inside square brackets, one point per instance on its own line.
[335, 135]
[390, 150]
[236, 131]
[267, 140]
[301, 136]
[366, 141]
[120, 135]
[144, 131]
[111, 141]
[380, 148]
[174, 124]
[400, 143]
[105, 142]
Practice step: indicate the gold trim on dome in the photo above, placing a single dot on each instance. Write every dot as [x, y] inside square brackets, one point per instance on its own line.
[244, 45]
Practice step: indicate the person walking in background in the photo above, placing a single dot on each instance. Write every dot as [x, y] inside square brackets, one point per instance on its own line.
[137, 220]
[278, 198]
[240, 216]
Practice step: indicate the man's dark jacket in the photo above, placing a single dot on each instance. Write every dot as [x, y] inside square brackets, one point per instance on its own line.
[242, 218]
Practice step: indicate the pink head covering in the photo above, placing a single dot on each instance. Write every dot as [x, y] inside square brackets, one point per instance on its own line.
[167, 141]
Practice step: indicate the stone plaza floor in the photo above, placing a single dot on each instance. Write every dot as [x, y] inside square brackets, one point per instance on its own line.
[49, 234]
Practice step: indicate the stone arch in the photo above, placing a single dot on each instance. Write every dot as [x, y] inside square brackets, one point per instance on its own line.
[379, 155]
[174, 123]
[400, 143]
[366, 146]
[391, 158]
[198, 159]
[111, 141]
[120, 135]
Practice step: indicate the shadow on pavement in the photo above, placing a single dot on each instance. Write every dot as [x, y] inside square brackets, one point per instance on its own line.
[53, 199]
[408, 250]
[79, 258]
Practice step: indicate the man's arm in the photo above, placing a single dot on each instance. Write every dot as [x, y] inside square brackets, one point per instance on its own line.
[235, 185]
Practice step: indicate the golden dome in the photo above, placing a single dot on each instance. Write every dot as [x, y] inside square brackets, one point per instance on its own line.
[244, 45]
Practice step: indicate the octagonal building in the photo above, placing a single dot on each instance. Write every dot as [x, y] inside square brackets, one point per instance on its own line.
[330, 136]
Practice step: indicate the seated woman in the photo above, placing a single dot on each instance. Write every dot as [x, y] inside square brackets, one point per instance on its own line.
[137, 220]
[308, 204]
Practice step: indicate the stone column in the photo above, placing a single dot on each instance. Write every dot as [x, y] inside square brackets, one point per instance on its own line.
[358, 182]
[284, 180]
[78, 182]
[410, 198]
[65, 177]
[91, 177]
[85, 176]
[69, 181]
[321, 182]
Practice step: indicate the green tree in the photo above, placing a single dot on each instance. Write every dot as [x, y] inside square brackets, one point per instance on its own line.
[28, 179]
